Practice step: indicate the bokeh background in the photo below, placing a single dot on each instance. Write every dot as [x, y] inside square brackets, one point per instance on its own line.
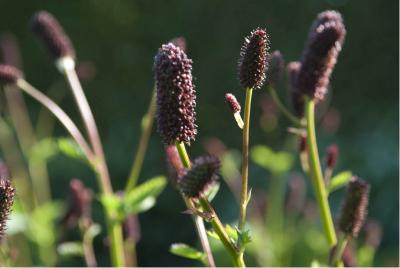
[120, 38]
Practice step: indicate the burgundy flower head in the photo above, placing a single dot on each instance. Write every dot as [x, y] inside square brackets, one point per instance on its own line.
[253, 61]
[52, 35]
[276, 65]
[320, 55]
[9, 50]
[9, 74]
[176, 99]
[232, 102]
[204, 171]
[354, 209]
[7, 194]
[296, 97]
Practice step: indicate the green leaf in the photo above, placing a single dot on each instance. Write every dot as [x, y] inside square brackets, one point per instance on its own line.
[93, 231]
[70, 148]
[212, 191]
[315, 263]
[244, 238]
[143, 197]
[186, 251]
[43, 150]
[232, 232]
[339, 180]
[275, 162]
[70, 249]
[213, 234]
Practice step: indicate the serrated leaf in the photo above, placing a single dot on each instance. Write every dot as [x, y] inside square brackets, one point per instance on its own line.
[143, 197]
[70, 249]
[339, 180]
[186, 251]
[213, 234]
[244, 238]
[275, 162]
[232, 232]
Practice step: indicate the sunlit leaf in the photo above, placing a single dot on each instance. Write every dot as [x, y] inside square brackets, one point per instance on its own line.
[275, 162]
[339, 181]
[186, 251]
[143, 197]
[70, 249]
[70, 148]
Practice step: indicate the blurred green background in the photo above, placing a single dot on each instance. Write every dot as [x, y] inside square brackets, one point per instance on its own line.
[120, 39]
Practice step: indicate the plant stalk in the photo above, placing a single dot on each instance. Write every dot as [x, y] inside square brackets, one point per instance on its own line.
[316, 175]
[198, 221]
[245, 160]
[147, 125]
[114, 226]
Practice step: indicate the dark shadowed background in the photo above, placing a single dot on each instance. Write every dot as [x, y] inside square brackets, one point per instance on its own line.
[120, 39]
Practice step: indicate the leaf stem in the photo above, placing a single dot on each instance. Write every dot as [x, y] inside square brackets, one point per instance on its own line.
[316, 175]
[147, 125]
[283, 109]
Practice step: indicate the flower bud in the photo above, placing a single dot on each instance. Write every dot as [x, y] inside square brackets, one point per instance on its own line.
[276, 64]
[7, 193]
[232, 102]
[296, 97]
[194, 181]
[332, 156]
[354, 209]
[52, 35]
[9, 74]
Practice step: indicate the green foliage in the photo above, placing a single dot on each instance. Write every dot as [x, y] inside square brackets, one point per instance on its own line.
[212, 191]
[186, 251]
[339, 181]
[139, 199]
[275, 162]
[68, 249]
[143, 197]
[47, 148]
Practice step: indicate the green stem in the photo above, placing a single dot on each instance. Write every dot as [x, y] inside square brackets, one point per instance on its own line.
[117, 248]
[338, 253]
[198, 221]
[283, 109]
[317, 178]
[245, 160]
[147, 125]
